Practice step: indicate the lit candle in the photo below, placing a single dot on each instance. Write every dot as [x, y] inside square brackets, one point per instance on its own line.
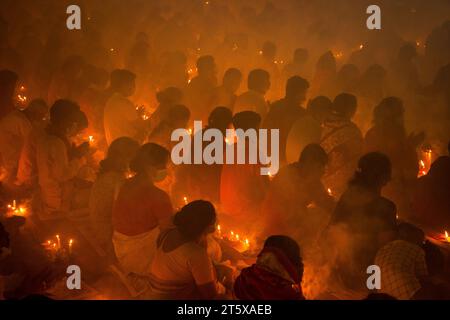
[330, 193]
[185, 199]
[58, 241]
[70, 246]
[447, 237]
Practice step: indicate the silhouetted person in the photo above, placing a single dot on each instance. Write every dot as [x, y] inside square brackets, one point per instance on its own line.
[283, 113]
[258, 84]
[200, 90]
[343, 142]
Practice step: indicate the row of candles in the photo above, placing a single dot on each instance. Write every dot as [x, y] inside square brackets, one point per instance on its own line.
[15, 209]
[56, 249]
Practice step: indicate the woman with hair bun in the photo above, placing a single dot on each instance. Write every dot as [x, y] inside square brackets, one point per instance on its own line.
[141, 210]
[181, 268]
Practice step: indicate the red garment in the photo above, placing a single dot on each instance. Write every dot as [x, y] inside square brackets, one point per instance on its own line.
[140, 207]
[262, 282]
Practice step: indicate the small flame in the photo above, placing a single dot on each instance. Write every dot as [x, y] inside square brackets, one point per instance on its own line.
[185, 199]
[330, 193]
[91, 139]
[218, 227]
[361, 46]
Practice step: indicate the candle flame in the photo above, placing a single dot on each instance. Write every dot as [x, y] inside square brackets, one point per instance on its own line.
[185, 199]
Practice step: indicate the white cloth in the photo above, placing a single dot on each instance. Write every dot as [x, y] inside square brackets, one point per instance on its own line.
[135, 253]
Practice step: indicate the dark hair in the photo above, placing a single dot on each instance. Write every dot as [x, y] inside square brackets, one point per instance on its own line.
[121, 148]
[296, 84]
[120, 77]
[205, 62]
[319, 104]
[81, 120]
[220, 117]
[313, 153]
[387, 110]
[193, 219]
[344, 105]
[64, 113]
[178, 112]
[288, 246]
[150, 154]
[256, 79]
[170, 96]
[246, 120]
[231, 74]
[371, 168]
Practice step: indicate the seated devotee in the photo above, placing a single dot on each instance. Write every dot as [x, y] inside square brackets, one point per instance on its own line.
[119, 116]
[8, 83]
[25, 267]
[242, 187]
[388, 135]
[14, 130]
[141, 210]
[57, 160]
[200, 89]
[182, 268]
[258, 84]
[342, 141]
[307, 129]
[297, 203]
[167, 98]
[225, 94]
[431, 196]
[276, 275]
[202, 181]
[283, 113]
[177, 118]
[403, 266]
[364, 218]
[111, 176]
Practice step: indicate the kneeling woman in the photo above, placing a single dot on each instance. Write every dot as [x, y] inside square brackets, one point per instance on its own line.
[277, 274]
[141, 210]
[181, 268]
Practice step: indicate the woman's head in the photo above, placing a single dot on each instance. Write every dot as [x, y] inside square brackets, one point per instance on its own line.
[196, 219]
[389, 111]
[288, 246]
[120, 153]
[169, 96]
[151, 160]
[67, 118]
[374, 171]
[313, 160]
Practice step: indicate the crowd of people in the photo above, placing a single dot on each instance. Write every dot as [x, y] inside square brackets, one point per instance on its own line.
[86, 122]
